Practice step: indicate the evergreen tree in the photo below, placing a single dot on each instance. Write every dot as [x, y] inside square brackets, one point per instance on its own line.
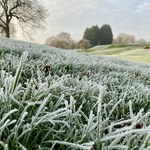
[105, 35]
[96, 36]
[92, 34]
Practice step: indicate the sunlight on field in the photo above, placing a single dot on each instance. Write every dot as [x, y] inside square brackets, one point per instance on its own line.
[141, 55]
[135, 53]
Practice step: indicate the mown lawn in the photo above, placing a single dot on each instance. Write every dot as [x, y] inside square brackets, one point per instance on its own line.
[132, 52]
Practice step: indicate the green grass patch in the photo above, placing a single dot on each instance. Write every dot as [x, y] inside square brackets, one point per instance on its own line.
[135, 52]
[88, 50]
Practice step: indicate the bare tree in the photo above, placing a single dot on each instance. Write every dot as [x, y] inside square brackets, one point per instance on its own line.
[29, 13]
[124, 38]
[62, 40]
[84, 44]
[141, 41]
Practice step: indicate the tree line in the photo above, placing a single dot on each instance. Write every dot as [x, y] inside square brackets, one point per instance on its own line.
[92, 36]
[64, 40]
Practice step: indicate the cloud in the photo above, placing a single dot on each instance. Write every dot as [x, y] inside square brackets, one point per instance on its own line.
[143, 7]
[74, 16]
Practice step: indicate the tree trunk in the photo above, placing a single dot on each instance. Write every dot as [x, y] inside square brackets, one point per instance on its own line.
[7, 32]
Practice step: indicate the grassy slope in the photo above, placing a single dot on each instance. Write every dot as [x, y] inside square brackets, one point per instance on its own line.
[132, 52]
[64, 107]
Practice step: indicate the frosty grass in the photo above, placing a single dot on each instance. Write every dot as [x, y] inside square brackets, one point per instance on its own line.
[77, 102]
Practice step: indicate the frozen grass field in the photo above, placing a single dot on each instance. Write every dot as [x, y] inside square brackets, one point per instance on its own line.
[53, 99]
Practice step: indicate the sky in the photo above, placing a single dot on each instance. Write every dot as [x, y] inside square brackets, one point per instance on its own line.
[74, 16]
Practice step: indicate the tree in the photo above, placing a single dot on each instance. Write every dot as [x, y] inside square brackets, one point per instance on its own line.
[98, 36]
[29, 13]
[62, 40]
[141, 41]
[84, 44]
[12, 30]
[124, 38]
[92, 34]
[88, 34]
[105, 35]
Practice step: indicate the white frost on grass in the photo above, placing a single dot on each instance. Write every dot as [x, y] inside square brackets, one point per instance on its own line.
[68, 107]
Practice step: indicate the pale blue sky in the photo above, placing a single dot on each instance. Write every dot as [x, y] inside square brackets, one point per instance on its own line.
[73, 16]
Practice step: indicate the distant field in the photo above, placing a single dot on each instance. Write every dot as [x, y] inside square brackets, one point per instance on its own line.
[132, 52]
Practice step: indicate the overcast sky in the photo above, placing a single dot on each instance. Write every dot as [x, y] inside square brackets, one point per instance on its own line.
[73, 16]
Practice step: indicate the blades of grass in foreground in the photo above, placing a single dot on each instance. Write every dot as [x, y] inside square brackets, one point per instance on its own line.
[19, 70]
[73, 145]
[99, 116]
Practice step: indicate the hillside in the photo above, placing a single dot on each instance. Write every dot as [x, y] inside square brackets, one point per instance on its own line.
[60, 100]
[132, 52]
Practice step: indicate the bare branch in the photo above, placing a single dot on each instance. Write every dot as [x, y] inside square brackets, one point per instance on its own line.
[29, 13]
